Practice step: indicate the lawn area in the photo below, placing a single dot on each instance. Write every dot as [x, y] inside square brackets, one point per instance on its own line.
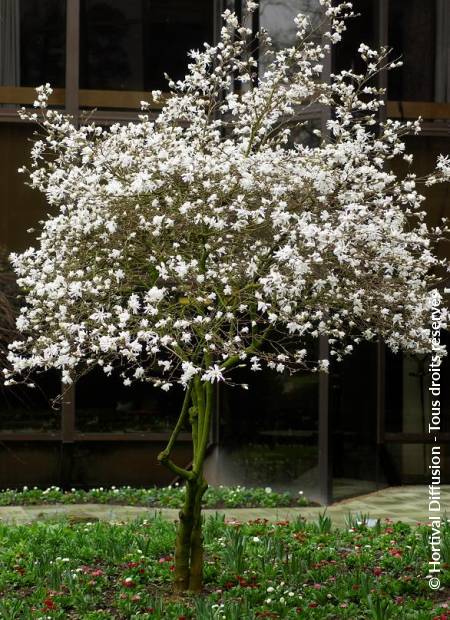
[93, 571]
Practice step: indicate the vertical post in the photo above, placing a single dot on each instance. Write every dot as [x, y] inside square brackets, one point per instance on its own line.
[381, 34]
[381, 390]
[381, 408]
[382, 21]
[68, 414]
[442, 63]
[72, 108]
[214, 436]
[325, 464]
[326, 112]
[217, 19]
[67, 435]
[72, 57]
[255, 29]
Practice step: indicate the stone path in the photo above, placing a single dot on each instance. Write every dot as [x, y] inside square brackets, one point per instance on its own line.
[405, 503]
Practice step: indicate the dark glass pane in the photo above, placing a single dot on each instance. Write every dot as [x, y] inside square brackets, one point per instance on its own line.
[130, 45]
[394, 392]
[22, 207]
[408, 392]
[24, 409]
[445, 386]
[353, 408]
[409, 410]
[407, 462]
[104, 404]
[42, 42]
[360, 29]
[278, 19]
[268, 433]
[412, 27]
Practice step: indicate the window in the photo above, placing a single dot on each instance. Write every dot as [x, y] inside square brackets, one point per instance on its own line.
[33, 41]
[109, 52]
[412, 27]
[104, 405]
[129, 45]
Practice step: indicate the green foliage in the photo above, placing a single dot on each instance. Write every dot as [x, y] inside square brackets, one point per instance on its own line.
[98, 571]
[157, 497]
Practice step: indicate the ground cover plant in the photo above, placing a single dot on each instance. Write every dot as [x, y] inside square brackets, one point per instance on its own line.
[94, 571]
[158, 497]
[182, 248]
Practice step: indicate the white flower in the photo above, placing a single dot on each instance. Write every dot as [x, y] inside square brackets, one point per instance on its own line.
[213, 374]
[181, 247]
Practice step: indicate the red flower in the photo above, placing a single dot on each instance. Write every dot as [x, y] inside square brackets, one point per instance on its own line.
[128, 583]
[97, 573]
[395, 553]
[313, 605]
[377, 571]
[49, 604]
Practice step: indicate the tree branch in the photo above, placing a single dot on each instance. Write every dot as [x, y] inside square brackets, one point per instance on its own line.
[164, 456]
[180, 421]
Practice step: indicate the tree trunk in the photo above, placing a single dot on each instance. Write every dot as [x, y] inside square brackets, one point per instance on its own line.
[196, 577]
[183, 541]
[189, 540]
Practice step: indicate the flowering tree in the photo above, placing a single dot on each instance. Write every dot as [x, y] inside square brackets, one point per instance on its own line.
[183, 247]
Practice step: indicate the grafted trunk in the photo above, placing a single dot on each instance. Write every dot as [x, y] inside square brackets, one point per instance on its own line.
[189, 540]
[183, 542]
[196, 576]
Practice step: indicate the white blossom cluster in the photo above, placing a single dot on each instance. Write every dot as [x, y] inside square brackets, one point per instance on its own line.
[187, 245]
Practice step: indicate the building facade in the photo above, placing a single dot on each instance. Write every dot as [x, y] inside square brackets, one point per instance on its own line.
[365, 424]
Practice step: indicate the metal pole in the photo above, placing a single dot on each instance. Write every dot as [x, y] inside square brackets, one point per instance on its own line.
[382, 21]
[72, 108]
[72, 57]
[325, 463]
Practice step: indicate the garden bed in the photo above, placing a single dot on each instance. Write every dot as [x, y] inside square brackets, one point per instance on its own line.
[253, 570]
[156, 497]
